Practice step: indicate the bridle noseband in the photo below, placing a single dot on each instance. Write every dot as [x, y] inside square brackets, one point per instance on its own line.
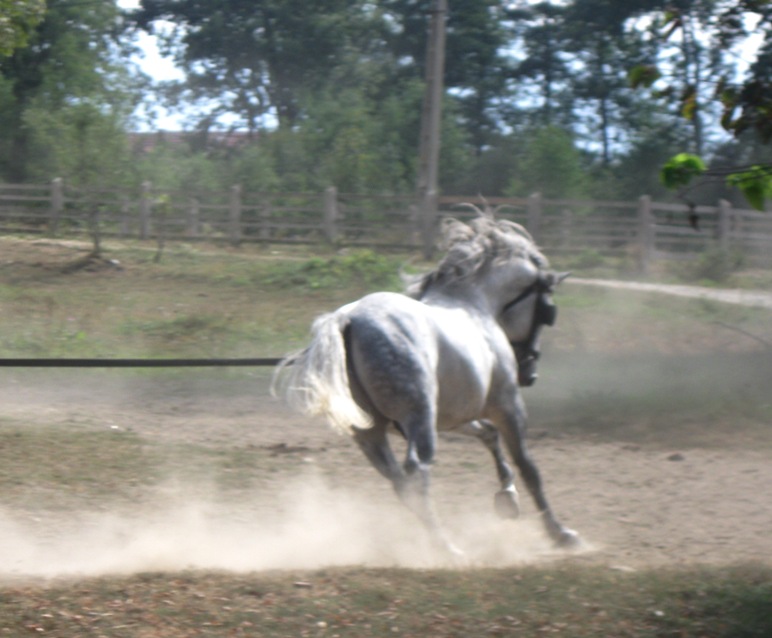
[545, 313]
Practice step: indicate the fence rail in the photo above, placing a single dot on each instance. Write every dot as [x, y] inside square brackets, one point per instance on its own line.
[642, 230]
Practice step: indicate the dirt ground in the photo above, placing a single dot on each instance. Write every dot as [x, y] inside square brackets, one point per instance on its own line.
[635, 506]
[313, 500]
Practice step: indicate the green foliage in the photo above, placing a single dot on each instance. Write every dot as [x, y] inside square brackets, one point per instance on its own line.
[342, 132]
[17, 19]
[176, 167]
[550, 165]
[361, 267]
[588, 258]
[81, 143]
[250, 59]
[252, 168]
[69, 89]
[681, 169]
[755, 183]
[344, 79]
[643, 75]
[714, 265]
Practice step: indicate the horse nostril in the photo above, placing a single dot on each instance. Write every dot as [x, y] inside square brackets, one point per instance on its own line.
[527, 380]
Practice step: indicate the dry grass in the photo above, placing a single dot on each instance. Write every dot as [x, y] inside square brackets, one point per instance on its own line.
[567, 600]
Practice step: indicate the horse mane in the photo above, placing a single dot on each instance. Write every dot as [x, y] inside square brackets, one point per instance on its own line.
[472, 247]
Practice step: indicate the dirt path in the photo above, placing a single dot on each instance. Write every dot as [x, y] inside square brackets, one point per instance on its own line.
[635, 506]
[754, 298]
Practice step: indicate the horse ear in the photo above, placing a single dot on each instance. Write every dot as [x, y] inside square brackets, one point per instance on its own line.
[552, 279]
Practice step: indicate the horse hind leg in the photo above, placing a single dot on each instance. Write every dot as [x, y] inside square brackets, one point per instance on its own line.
[414, 490]
[506, 501]
[410, 480]
[375, 445]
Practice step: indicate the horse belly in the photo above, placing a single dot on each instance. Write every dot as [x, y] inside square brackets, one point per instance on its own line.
[463, 376]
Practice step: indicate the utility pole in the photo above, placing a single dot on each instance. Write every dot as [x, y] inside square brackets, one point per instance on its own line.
[430, 127]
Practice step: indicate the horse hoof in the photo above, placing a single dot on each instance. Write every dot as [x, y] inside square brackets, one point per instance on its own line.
[506, 503]
[568, 539]
[457, 554]
[452, 552]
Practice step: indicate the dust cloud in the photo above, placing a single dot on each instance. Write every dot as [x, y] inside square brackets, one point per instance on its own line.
[306, 525]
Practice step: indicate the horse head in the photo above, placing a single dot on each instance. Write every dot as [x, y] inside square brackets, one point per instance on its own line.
[497, 263]
[523, 317]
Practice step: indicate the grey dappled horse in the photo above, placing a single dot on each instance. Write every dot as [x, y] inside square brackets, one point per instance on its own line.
[450, 354]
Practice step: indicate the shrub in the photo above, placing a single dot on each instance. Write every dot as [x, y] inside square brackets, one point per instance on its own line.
[363, 267]
[714, 264]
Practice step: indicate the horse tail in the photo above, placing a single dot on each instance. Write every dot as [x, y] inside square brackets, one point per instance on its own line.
[315, 380]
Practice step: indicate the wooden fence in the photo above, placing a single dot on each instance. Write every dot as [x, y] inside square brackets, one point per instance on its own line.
[641, 231]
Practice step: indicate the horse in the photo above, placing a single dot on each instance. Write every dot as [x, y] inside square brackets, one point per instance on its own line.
[450, 353]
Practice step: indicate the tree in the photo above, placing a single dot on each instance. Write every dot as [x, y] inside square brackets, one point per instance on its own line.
[476, 67]
[608, 114]
[745, 103]
[541, 30]
[550, 165]
[70, 67]
[17, 19]
[253, 59]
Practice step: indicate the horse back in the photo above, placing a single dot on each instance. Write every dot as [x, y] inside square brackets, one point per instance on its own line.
[412, 358]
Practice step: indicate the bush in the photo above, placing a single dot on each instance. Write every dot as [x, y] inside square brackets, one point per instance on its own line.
[363, 267]
[588, 258]
[714, 264]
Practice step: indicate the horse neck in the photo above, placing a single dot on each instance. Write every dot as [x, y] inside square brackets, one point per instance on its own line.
[468, 295]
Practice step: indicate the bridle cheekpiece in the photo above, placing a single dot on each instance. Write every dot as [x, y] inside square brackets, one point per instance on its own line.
[544, 314]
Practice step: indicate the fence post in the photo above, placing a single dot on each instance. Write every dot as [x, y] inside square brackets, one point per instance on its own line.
[125, 226]
[331, 213]
[534, 210]
[234, 216]
[565, 227]
[57, 204]
[265, 219]
[193, 225]
[145, 210]
[646, 230]
[724, 223]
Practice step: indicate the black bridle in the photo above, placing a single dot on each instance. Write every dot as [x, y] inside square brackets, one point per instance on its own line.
[545, 313]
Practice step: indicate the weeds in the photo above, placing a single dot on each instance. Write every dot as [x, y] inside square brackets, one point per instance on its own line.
[714, 265]
[588, 258]
[361, 268]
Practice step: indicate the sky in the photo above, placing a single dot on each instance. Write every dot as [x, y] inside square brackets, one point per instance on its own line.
[157, 67]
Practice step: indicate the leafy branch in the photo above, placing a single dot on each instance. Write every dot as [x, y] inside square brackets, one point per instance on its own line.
[753, 181]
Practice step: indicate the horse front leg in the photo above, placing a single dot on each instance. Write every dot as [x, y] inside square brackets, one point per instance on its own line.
[512, 428]
[506, 501]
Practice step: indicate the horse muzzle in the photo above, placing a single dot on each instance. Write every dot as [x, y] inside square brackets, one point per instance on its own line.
[526, 371]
